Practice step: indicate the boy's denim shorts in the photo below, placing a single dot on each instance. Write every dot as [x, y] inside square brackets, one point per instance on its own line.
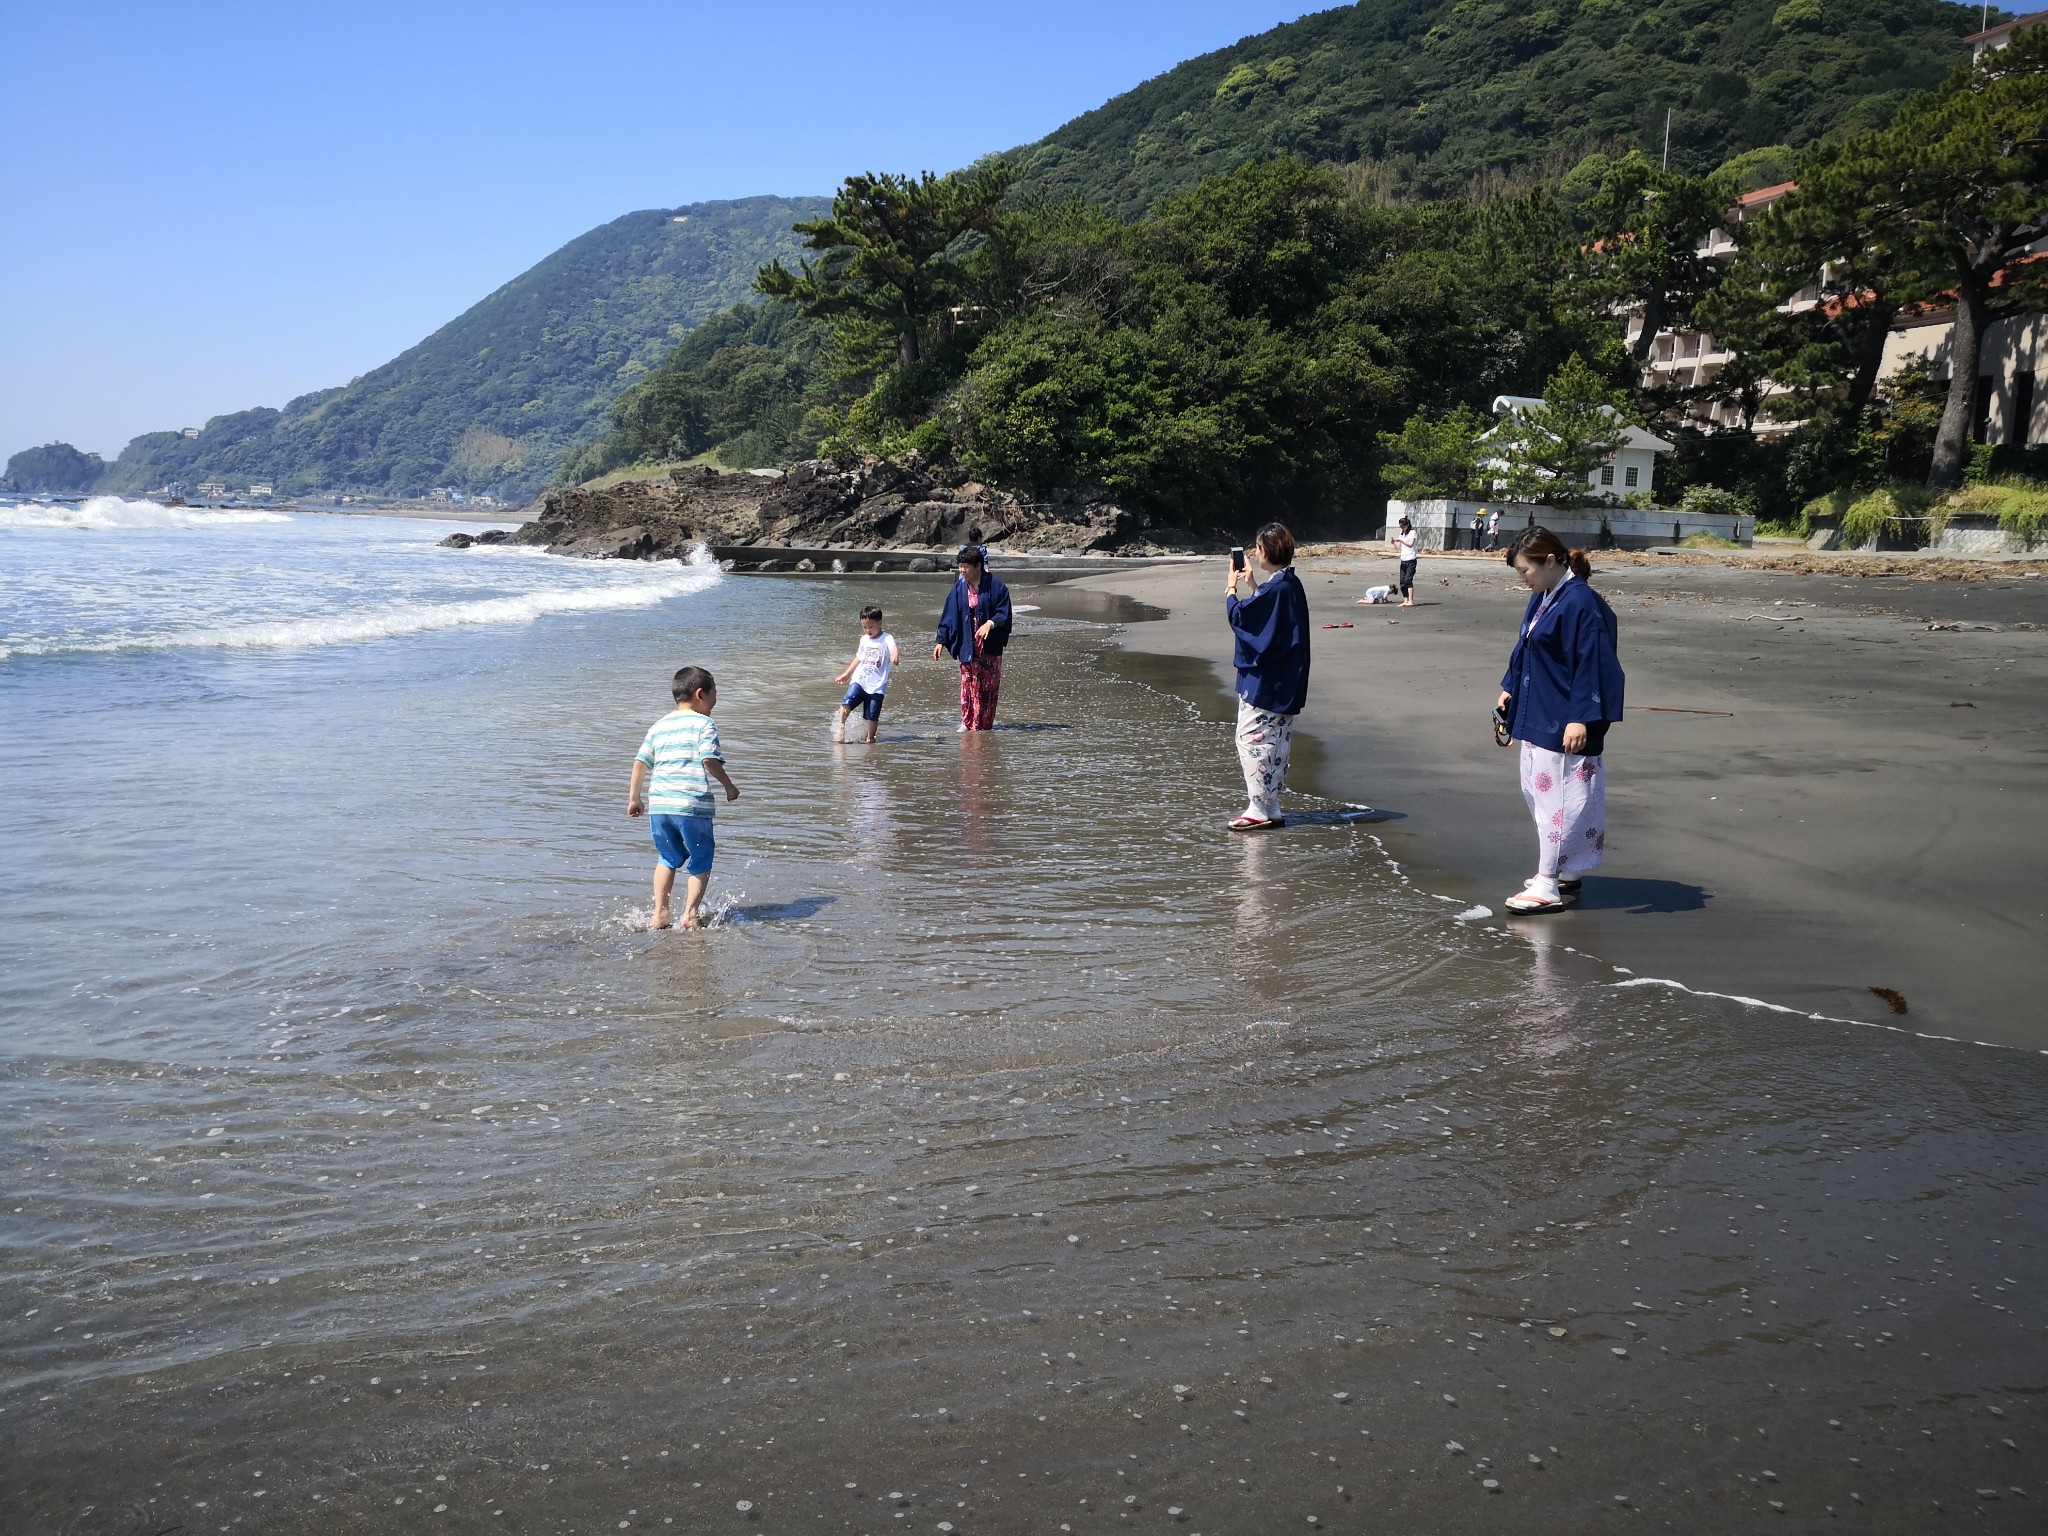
[684, 842]
[869, 704]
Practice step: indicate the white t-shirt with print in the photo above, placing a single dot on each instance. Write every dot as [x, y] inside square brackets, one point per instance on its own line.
[871, 665]
[1406, 543]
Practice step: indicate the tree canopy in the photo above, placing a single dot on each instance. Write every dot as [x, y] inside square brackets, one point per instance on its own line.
[1446, 97]
[890, 258]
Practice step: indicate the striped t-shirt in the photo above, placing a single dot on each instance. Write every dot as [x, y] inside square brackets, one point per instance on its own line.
[675, 751]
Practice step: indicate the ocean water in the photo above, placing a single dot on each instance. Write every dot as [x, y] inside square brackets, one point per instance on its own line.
[1014, 1138]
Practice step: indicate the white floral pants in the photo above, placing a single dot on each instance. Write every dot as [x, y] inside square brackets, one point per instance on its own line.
[1264, 742]
[1567, 795]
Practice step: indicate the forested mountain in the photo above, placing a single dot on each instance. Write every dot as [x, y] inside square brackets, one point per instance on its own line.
[1429, 95]
[1410, 99]
[494, 399]
[53, 468]
[1298, 318]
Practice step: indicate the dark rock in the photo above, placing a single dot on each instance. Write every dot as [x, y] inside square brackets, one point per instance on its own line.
[807, 564]
[846, 502]
[924, 563]
[493, 536]
[457, 541]
[629, 544]
[769, 565]
[879, 565]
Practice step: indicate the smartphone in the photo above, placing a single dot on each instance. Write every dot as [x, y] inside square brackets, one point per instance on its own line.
[1237, 557]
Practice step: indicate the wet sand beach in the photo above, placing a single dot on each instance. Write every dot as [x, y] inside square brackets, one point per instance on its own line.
[1018, 1152]
[1859, 801]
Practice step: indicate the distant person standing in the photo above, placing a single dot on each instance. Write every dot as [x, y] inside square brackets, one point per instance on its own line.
[1561, 691]
[1407, 549]
[1271, 627]
[1478, 527]
[1493, 530]
[975, 628]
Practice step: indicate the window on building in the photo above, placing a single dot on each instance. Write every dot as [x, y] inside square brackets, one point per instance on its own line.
[1607, 474]
[1631, 475]
[2019, 427]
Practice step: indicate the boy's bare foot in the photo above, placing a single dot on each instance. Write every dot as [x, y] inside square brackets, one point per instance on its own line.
[661, 919]
[691, 921]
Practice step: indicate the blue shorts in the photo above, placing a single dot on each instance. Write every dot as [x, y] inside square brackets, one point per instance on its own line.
[869, 704]
[684, 842]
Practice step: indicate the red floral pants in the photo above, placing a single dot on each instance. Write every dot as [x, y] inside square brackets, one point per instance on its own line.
[980, 681]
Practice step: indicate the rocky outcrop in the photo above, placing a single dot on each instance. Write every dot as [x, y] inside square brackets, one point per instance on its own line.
[848, 502]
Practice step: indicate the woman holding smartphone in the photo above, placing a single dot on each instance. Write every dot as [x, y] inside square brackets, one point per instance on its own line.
[1561, 691]
[1271, 627]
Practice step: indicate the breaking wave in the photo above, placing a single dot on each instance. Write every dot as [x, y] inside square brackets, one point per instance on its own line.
[387, 621]
[105, 513]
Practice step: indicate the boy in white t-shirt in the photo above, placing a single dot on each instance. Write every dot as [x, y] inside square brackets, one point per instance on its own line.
[869, 673]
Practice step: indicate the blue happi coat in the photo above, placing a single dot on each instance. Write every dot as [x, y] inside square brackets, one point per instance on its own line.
[956, 634]
[1271, 627]
[1566, 669]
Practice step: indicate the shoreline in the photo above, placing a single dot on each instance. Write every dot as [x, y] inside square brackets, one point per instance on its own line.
[1819, 801]
[1011, 1164]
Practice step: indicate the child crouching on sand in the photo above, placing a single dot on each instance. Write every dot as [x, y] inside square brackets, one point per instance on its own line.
[675, 766]
[869, 674]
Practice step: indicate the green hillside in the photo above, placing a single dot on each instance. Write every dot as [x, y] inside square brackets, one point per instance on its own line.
[54, 467]
[495, 398]
[1434, 95]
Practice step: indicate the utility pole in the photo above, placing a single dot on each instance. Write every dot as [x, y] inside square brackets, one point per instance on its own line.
[1667, 132]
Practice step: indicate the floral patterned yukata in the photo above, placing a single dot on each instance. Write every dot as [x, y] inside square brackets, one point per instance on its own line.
[1566, 794]
[981, 680]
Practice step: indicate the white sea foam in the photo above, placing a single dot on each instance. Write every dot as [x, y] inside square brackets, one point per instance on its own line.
[1802, 1013]
[100, 514]
[664, 580]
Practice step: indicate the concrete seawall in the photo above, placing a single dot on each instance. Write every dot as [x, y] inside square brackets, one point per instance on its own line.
[1609, 527]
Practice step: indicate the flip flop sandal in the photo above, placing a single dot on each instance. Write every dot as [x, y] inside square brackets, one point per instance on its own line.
[1523, 904]
[1569, 887]
[1253, 824]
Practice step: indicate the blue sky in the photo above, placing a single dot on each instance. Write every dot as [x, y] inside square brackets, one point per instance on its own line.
[211, 207]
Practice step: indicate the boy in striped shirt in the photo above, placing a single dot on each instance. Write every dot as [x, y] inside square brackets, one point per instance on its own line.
[674, 768]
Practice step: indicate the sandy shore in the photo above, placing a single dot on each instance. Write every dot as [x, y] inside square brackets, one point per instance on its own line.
[1859, 803]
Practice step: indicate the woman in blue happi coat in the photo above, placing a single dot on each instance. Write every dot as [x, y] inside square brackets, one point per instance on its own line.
[1561, 691]
[1271, 655]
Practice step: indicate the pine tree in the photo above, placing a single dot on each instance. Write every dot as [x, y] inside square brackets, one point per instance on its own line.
[889, 258]
[1811, 298]
[1968, 167]
[1646, 226]
[1550, 449]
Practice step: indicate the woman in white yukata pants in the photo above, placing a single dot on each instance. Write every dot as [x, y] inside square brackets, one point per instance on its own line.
[1271, 655]
[1561, 691]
